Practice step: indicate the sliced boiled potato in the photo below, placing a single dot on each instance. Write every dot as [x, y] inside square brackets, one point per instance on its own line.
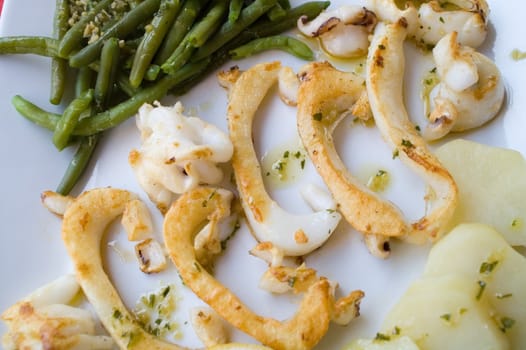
[479, 253]
[442, 313]
[492, 186]
[399, 343]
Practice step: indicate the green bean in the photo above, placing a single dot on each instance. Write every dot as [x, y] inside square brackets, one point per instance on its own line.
[73, 37]
[124, 84]
[261, 28]
[84, 80]
[59, 69]
[276, 13]
[59, 66]
[278, 42]
[109, 61]
[234, 10]
[70, 118]
[87, 144]
[152, 40]
[285, 4]
[153, 72]
[34, 113]
[126, 25]
[128, 108]
[265, 27]
[78, 164]
[181, 26]
[229, 30]
[196, 37]
[37, 45]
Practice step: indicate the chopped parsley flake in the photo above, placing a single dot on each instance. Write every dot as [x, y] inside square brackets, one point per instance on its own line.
[407, 143]
[302, 164]
[396, 153]
[117, 314]
[482, 286]
[286, 154]
[151, 300]
[446, 317]
[165, 291]
[506, 323]
[396, 330]
[516, 224]
[503, 296]
[381, 47]
[317, 116]
[279, 165]
[488, 267]
[205, 202]
[291, 281]
[382, 337]
[441, 19]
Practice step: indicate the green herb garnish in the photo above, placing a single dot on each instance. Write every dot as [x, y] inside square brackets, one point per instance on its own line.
[482, 286]
[506, 323]
[446, 317]
[487, 267]
[382, 337]
[503, 296]
[407, 143]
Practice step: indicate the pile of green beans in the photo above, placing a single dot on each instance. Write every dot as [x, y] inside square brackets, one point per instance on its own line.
[153, 48]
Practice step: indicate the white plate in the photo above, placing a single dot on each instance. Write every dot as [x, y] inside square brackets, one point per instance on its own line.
[32, 253]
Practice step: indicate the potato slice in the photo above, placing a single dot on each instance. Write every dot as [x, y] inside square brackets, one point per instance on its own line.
[443, 313]
[492, 186]
[480, 253]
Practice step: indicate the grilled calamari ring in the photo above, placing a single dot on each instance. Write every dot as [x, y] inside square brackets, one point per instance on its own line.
[183, 221]
[384, 81]
[326, 95]
[84, 224]
[294, 234]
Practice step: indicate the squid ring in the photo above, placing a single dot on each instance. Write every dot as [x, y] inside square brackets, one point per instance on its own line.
[294, 234]
[385, 71]
[84, 224]
[182, 222]
[325, 96]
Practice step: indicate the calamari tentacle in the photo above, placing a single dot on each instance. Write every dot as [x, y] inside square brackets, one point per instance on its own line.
[343, 32]
[471, 90]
